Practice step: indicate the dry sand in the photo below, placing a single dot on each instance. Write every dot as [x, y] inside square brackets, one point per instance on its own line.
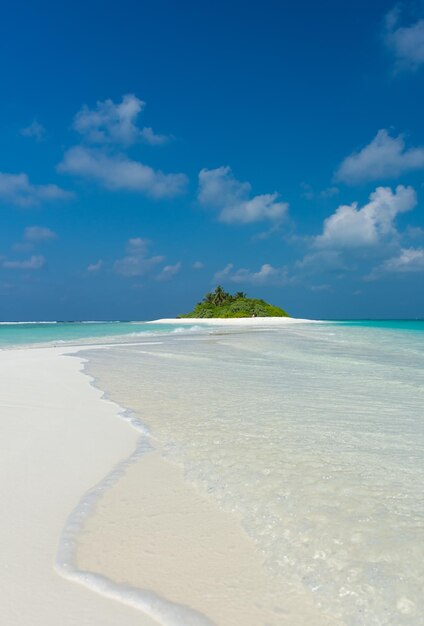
[237, 321]
[57, 440]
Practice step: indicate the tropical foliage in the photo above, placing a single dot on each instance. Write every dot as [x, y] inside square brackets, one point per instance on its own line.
[220, 303]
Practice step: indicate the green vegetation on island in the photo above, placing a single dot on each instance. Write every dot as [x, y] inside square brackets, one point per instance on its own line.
[219, 303]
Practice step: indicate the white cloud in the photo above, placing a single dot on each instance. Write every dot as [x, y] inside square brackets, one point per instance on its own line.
[33, 263]
[137, 263]
[385, 157]
[95, 267]
[16, 189]
[169, 271]
[110, 123]
[138, 245]
[35, 130]
[329, 192]
[134, 265]
[405, 42]
[219, 190]
[198, 265]
[117, 172]
[152, 138]
[38, 233]
[351, 227]
[267, 274]
[408, 260]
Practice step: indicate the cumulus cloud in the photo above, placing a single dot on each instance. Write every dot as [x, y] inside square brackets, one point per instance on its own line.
[110, 127]
[137, 262]
[353, 235]
[385, 157]
[119, 173]
[169, 271]
[114, 123]
[38, 233]
[95, 267]
[266, 275]
[405, 42]
[351, 227]
[33, 263]
[406, 261]
[35, 130]
[16, 189]
[154, 139]
[409, 260]
[232, 199]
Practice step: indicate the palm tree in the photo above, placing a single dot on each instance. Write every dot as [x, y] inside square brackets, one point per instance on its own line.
[219, 296]
[209, 298]
[240, 294]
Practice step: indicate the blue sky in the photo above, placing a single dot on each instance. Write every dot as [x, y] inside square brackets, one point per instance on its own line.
[153, 149]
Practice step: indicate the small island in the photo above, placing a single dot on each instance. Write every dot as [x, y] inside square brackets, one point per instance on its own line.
[220, 303]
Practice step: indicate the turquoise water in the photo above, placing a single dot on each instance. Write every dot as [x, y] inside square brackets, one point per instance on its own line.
[313, 435]
[22, 334]
[30, 333]
[406, 325]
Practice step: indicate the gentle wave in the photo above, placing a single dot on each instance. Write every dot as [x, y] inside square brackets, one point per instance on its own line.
[29, 322]
[48, 334]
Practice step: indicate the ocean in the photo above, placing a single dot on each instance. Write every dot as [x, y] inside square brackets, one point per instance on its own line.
[22, 334]
[312, 434]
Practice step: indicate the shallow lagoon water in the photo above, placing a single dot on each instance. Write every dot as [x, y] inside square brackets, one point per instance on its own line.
[24, 334]
[314, 435]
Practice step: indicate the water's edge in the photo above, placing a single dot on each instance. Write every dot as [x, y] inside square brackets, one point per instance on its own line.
[147, 601]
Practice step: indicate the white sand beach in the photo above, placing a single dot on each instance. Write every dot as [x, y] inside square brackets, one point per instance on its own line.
[248, 322]
[57, 440]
